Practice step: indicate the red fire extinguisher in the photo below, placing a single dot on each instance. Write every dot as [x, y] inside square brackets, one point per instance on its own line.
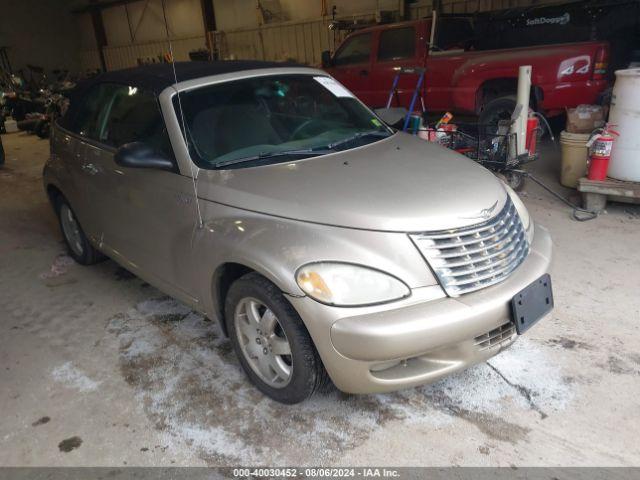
[600, 145]
[532, 133]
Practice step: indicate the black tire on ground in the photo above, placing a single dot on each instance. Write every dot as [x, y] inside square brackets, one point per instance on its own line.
[87, 254]
[515, 180]
[19, 112]
[27, 125]
[42, 129]
[497, 109]
[308, 374]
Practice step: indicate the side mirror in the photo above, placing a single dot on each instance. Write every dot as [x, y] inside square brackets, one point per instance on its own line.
[141, 155]
[327, 61]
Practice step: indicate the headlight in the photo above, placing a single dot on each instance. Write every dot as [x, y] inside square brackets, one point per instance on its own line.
[525, 217]
[347, 285]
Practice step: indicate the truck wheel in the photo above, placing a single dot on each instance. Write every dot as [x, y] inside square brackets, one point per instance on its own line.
[500, 108]
[271, 342]
[77, 242]
[515, 180]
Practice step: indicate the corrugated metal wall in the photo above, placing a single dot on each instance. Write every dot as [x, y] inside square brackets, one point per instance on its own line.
[130, 55]
[126, 56]
[89, 60]
[302, 41]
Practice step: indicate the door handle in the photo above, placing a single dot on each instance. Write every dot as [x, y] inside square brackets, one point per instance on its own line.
[90, 168]
[364, 73]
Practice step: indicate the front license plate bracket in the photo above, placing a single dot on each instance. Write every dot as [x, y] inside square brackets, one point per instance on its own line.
[532, 303]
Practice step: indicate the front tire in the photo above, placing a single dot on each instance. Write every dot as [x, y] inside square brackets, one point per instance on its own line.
[80, 249]
[271, 341]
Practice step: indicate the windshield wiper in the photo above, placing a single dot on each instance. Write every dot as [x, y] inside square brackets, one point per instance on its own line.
[356, 136]
[283, 153]
[323, 150]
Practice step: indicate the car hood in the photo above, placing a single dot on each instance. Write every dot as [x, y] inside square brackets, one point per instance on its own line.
[401, 183]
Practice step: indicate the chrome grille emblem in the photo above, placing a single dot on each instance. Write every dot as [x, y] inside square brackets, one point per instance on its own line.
[485, 213]
[475, 257]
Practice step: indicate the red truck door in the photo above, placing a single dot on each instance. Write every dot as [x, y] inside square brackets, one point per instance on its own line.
[393, 48]
[441, 67]
[352, 65]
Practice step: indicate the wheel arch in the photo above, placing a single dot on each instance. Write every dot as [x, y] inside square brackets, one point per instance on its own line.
[503, 86]
[53, 194]
[222, 279]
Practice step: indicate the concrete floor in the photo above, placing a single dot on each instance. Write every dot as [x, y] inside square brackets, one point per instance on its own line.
[98, 368]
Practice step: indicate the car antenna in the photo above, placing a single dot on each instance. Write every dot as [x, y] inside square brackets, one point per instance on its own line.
[194, 174]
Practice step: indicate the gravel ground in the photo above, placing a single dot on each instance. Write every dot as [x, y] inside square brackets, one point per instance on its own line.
[99, 368]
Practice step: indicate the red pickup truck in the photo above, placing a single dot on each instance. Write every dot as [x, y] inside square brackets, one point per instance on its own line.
[462, 79]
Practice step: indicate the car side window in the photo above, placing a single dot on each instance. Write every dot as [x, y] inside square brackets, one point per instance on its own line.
[356, 50]
[397, 43]
[90, 113]
[134, 116]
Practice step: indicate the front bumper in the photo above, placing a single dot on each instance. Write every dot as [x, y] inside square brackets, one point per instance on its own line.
[423, 338]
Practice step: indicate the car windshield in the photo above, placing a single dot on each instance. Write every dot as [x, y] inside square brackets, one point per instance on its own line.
[270, 119]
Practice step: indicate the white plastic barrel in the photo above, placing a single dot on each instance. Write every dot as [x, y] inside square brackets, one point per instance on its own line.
[625, 115]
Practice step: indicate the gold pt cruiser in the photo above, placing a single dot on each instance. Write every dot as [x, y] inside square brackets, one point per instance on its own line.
[327, 245]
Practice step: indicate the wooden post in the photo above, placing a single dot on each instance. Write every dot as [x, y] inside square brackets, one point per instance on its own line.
[209, 21]
[99, 32]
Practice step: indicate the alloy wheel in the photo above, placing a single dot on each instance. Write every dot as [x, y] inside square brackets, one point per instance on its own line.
[263, 342]
[71, 229]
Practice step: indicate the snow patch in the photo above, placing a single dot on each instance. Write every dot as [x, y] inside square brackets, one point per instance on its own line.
[190, 383]
[59, 266]
[527, 365]
[74, 378]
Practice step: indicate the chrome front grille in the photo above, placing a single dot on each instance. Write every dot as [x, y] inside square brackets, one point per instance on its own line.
[497, 336]
[468, 259]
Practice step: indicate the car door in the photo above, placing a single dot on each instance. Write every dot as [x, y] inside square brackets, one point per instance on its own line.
[64, 145]
[149, 215]
[74, 141]
[352, 65]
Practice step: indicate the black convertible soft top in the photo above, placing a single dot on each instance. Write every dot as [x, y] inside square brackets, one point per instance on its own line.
[158, 76]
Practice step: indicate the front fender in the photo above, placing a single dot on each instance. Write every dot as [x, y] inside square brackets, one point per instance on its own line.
[276, 247]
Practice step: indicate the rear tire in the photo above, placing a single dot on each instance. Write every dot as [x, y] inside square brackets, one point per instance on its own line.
[515, 180]
[298, 372]
[500, 108]
[80, 249]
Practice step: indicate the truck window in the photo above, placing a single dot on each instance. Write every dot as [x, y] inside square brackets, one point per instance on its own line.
[397, 43]
[355, 50]
[454, 33]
